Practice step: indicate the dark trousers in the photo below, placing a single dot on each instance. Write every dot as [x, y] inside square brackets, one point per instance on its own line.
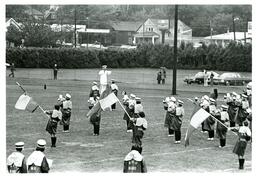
[55, 75]
[211, 133]
[177, 135]
[113, 106]
[163, 81]
[65, 127]
[222, 142]
[232, 124]
[158, 81]
[203, 127]
[96, 129]
[171, 132]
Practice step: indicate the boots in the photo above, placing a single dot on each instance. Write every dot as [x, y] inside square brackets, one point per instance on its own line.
[241, 164]
[53, 139]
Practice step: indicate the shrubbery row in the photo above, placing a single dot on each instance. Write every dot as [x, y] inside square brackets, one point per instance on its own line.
[235, 57]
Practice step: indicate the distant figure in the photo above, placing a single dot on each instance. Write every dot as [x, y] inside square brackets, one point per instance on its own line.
[159, 77]
[55, 71]
[37, 162]
[205, 78]
[133, 162]
[12, 68]
[211, 78]
[163, 75]
[16, 161]
[104, 78]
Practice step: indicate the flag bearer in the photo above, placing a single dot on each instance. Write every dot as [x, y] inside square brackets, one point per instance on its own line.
[209, 122]
[134, 162]
[244, 135]
[130, 110]
[221, 130]
[177, 121]
[55, 117]
[16, 161]
[170, 115]
[37, 162]
[205, 105]
[114, 89]
[66, 112]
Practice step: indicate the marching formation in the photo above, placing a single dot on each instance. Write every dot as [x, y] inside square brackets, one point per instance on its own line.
[233, 115]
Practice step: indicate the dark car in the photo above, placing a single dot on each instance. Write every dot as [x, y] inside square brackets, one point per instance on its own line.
[199, 77]
[231, 79]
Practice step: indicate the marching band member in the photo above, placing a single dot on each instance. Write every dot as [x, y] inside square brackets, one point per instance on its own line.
[95, 92]
[114, 89]
[221, 130]
[16, 161]
[66, 112]
[177, 121]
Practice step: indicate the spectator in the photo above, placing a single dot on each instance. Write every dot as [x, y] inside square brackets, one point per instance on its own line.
[55, 71]
[159, 77]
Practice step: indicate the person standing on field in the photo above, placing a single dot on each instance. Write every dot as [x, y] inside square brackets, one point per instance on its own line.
[55, 71]
[66, 112]
[16, 161]
[103, 78]
[37, 161]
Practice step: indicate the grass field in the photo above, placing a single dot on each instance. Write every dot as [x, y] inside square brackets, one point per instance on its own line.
[80, 151]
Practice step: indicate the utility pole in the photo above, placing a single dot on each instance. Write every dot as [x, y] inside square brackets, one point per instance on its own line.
[87, 31]
[234, 27]
[75, 28]
[211, 29]
[175, 50]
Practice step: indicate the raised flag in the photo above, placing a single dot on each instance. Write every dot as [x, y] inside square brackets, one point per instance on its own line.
[97, 107]
[26, 102]
[195, 122]
[108, 101]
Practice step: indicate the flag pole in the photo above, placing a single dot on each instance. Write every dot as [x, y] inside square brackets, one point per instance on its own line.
[21, 87]
[220, 122]
[124, 109]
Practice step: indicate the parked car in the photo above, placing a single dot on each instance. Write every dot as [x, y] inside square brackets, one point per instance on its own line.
[231, 79]
[199, 77]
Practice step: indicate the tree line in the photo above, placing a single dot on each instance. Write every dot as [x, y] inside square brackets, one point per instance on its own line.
[234, 57]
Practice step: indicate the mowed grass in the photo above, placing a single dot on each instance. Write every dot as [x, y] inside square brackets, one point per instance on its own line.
[80, 151]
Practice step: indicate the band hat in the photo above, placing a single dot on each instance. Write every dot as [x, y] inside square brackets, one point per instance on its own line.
[234, 93]
[113, 80]
[173, 99]
[41, 143]
[68, 96]
[137, 98]
[95, 83]
[196, 98]
[132, 96]
[206, 97]
[212, 100]
[224, 107]
[19, 145]
[245, 96]
[104, 66]
[60, 97]
[180, 102]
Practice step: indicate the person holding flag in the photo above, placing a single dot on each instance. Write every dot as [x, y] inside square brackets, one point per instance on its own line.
[221, 130]
[244, 135]
[16, 162]
[170, 115]
[51, 128]
[209, 122]
[95, 92]
[114, 89]
[177, 121]
[230, 101]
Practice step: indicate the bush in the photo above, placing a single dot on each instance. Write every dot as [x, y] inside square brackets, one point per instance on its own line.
[235, 57]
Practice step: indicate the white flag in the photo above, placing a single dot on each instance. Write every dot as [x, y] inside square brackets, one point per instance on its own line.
[108, 101]
[25, 102]
[199, 117]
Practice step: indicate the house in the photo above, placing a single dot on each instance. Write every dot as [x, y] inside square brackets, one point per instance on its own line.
[11, 21]
[51, 14]
[123, 31]
[35, 13]
[226, 38]
[162, 31]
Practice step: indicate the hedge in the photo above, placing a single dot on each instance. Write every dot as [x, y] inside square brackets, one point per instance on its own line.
[235, 57]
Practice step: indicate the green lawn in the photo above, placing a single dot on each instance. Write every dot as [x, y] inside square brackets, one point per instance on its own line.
[83, 152]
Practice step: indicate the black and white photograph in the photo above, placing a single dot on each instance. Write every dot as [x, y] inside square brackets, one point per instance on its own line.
[127, 88]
